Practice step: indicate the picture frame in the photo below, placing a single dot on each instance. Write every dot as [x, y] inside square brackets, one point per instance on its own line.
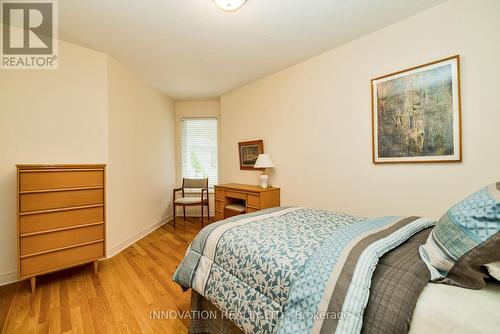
[416, 114]
[249, 152]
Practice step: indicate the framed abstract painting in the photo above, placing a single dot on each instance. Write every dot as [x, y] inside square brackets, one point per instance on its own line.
[416, 114]
[249, 152]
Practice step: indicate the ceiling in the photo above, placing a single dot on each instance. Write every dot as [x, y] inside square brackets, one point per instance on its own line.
[189, 49]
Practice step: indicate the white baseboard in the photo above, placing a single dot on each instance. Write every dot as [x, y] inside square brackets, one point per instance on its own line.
[7, 278]
[124, 244]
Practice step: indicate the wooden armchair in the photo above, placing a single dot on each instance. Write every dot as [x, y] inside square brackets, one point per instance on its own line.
[192, 201]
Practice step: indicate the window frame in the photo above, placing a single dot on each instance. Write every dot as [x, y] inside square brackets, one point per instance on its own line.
[183, 145]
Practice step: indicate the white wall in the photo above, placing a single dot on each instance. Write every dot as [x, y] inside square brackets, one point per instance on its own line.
[49, 116]
[315, 118]
[141, 170]
[186, 109]
[89, 110]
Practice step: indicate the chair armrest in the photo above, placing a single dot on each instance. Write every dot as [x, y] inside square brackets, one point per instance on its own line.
[175, 191]
[202, 190]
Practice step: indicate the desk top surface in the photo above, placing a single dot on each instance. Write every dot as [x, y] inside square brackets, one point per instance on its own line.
[245, 187]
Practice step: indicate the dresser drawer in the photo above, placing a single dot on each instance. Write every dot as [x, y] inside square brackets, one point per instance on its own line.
[52, 240]
[61, 219]
[62, 179]
[59, 199]
[60, 259]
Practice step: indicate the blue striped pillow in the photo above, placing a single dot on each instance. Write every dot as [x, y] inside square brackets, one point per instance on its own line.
[465, 239]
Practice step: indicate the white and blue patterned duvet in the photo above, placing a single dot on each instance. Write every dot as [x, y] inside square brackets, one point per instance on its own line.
[277, 270]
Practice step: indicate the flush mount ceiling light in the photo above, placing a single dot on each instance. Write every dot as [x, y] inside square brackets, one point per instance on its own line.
[229, 5]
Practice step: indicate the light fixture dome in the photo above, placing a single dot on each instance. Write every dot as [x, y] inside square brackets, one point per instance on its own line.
[229, 5]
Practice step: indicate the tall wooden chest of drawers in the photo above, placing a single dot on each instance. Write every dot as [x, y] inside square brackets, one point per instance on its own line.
[60, 217]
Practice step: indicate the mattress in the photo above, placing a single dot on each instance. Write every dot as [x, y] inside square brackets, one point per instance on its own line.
[449, 309]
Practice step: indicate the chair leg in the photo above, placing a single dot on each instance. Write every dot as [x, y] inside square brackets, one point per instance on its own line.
[201, 214]
[174, 215]
[208, 210]
[184, 209]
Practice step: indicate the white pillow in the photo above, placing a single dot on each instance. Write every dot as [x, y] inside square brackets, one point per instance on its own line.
[494, 269]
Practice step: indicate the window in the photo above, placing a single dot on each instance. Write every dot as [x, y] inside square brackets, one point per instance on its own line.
[199, 149]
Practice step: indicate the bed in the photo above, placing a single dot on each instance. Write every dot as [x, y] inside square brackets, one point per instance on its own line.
[298, 270]
[290, 270]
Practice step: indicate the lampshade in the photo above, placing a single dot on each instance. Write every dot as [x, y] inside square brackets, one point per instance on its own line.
[229, 5]
[263, 161]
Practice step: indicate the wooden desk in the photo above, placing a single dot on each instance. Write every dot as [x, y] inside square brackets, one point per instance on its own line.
[254, 198]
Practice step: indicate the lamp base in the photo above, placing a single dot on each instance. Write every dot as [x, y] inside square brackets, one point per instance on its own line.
[263, 181]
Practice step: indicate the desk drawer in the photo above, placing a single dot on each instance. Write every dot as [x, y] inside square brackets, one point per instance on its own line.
[61, 259]
[219, 215]
[61, 179]
[219, 193]
[235, 194]
[250, 209]
[219, 205]
[59, 199]
[53, 240]
[253, 200]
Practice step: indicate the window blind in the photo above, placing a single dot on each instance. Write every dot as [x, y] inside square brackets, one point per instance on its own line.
[199, 149]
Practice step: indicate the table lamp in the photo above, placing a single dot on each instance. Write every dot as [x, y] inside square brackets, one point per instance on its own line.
[264, 161]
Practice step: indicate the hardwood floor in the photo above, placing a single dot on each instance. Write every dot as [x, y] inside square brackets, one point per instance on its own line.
[119, 299]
